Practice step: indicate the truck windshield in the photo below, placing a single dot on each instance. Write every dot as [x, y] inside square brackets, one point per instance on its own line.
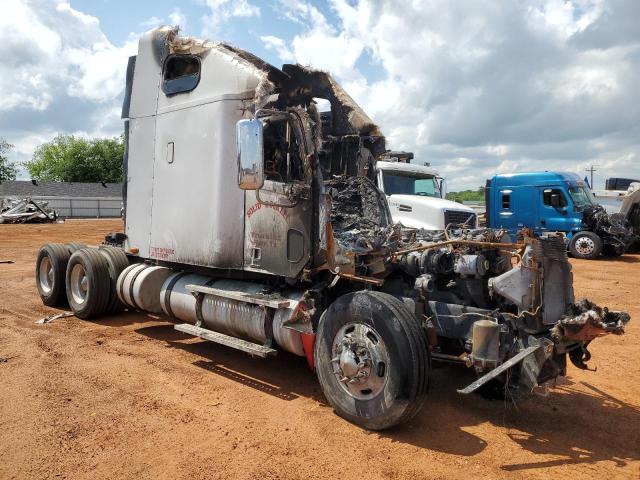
[402, 184]
[581, 196]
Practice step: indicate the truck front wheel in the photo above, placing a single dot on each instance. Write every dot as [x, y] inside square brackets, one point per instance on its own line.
[585, 245]
[372, 359]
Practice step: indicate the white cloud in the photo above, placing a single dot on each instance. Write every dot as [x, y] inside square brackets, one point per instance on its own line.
[59, 73]
[78, 56]
[101, 69]
[321, 45]
[565, 18]
[472, 87]
[176, 17]
[152, 22]
[503, 86]
[279, 46]
[221, 11]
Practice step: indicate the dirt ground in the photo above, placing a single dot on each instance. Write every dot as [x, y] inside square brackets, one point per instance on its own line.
[129, 397]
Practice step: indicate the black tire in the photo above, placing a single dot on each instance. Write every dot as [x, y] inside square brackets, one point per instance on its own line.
[585, 245]
[88, 283]
[51, 268]
[118, 261]
[406, 374]
[75, 246]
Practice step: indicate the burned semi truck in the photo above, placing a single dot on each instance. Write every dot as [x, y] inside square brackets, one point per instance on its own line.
[252, 220]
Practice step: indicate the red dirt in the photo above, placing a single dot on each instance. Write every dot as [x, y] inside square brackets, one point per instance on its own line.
[128, 397]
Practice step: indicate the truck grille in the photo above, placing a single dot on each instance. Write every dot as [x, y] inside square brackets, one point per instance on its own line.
[457, 217]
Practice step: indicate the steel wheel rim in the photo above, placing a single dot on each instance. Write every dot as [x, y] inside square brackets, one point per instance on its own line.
[79, 284]
[45, 275]
[360, 361]
[585, 246]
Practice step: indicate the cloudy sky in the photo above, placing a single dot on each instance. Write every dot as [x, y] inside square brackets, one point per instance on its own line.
[474, 87]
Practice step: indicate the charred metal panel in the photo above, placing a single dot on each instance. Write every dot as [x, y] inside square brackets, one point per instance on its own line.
[557, 286]
[277, 236]
[125, 167]
[197, 213]
[146, 79]
[358, 209]
[220, 77]
[347, 116]
[190, 209]
[126, 102]
[140, 152]
[139, 183]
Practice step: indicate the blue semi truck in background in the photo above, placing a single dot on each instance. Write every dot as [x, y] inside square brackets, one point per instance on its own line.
[549, 202]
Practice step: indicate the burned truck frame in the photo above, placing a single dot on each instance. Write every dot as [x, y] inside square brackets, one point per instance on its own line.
[252, 218]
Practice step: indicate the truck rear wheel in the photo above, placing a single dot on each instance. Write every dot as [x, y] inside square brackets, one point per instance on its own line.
[585, 245]
[74, 246]
[372, 359]
[117, 261]
[88, 283]
[51, 267]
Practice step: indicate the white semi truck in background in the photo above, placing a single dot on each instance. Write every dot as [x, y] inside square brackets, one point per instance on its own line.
[254, 222]
[416, 194]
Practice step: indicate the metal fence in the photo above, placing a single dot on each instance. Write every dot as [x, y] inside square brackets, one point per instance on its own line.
[84, 207]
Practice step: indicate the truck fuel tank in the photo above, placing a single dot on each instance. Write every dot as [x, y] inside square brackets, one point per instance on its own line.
[229, 316]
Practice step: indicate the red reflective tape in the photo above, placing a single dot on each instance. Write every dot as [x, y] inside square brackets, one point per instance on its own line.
[308, 342]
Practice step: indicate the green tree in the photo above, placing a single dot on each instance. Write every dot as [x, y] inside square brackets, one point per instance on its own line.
[467, 195]
[73, 159]
[8, 170]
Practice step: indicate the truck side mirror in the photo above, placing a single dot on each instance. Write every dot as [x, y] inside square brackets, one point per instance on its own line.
[249, 138]
[555, 200]
[442, 185]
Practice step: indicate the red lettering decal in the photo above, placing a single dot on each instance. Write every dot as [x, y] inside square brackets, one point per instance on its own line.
[161, 253]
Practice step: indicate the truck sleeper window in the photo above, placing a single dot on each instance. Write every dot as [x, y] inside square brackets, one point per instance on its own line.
[506, 200]
[181, 74]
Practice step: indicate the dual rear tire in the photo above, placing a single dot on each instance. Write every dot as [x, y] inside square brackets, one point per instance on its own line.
[84, 278]
[87, 282]
[51, 268]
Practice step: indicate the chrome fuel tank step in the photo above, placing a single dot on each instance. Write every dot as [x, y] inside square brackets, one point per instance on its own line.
[222, 339]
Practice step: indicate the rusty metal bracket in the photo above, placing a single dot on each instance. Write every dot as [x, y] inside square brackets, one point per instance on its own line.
[357, 278]
[502, 368]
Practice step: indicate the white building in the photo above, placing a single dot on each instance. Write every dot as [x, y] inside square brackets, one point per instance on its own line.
[69, 199]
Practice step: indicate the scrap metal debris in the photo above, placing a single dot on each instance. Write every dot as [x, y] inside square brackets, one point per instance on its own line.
[26, 210]
[51, 318]
[614, 228]
[359, 216]
[585, 321]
